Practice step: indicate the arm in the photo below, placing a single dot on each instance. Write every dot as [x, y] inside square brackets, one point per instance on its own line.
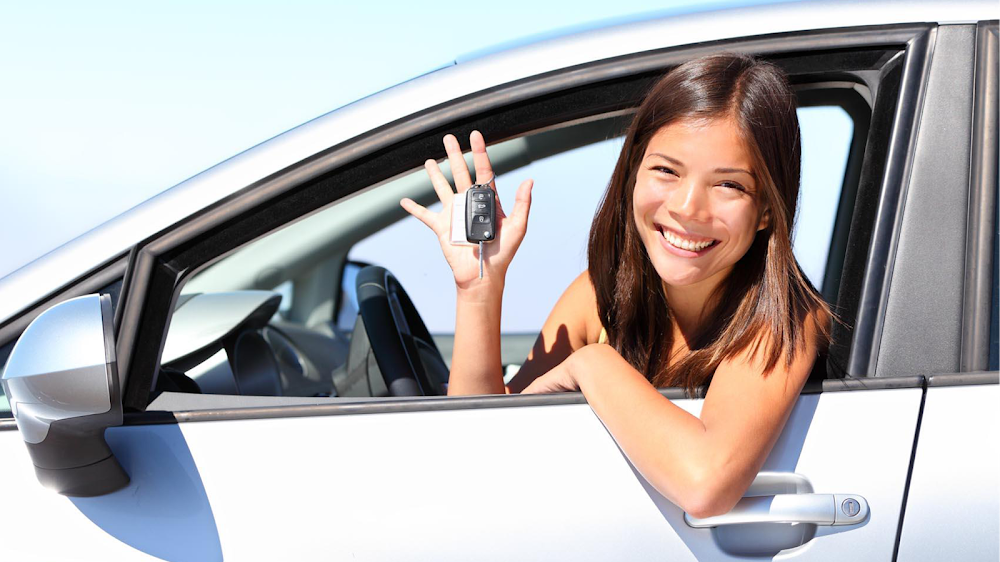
[475, 365]
[702, 465]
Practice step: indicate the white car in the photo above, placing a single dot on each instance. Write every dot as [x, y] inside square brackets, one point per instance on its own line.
[193, 380]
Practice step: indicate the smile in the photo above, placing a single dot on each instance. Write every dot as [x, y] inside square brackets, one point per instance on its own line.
[692, 246]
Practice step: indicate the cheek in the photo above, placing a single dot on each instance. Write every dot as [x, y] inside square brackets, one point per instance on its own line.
[740, 219]
[644, 200]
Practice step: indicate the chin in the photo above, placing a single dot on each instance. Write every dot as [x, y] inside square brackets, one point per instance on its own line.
[678, 275]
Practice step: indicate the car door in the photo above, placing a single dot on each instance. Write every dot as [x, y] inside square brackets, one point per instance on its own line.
[506, 477]
[953, 505]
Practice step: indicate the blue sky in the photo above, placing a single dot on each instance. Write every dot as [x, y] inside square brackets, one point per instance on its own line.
[105, 104]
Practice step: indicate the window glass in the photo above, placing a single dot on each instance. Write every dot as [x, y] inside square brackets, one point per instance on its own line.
[4, 405]
[827, 133]
[4, 355]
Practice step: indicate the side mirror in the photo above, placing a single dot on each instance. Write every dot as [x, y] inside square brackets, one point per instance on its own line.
[62, 383]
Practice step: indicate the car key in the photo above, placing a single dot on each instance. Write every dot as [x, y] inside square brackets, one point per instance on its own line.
[480, 218]
[473, 218]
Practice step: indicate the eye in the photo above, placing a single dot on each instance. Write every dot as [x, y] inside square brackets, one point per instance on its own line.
[664, 170]
[733, 185]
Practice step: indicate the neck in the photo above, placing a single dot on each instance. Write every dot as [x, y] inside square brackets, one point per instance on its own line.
[690, 306]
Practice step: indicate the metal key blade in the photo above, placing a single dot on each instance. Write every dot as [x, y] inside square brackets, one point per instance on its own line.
[481, 248]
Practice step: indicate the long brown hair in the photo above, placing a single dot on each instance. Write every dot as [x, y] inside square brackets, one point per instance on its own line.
[766, 299]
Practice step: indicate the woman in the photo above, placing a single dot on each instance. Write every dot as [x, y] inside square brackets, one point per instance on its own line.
[691, 280]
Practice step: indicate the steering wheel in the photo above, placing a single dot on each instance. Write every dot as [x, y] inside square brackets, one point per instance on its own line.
[408, 358]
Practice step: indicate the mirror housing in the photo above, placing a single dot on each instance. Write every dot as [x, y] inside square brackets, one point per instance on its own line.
[62, 383]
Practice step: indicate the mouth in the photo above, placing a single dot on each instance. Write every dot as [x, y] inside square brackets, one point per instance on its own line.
[685, 245]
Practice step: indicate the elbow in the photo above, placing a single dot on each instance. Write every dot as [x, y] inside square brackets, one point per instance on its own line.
[707, 499]
[704, 505]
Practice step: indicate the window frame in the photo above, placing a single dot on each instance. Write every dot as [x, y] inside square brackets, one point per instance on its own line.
[164, 261]
[979, 328]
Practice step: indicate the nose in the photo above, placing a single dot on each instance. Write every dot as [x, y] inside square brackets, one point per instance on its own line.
[689, 202]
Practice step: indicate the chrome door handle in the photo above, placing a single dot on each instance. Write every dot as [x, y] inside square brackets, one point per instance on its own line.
[817, 509]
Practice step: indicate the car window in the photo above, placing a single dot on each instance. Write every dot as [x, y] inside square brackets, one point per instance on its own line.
[4, 405]
[567, 190]
[301, 277]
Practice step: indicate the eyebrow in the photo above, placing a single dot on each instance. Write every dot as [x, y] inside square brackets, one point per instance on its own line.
[677, 162]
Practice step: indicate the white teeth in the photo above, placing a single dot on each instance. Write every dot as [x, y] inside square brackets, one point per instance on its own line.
[685, 244]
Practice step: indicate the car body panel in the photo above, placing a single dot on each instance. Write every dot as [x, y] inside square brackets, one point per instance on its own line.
[931, 286]
[946, 518]
[533, 482]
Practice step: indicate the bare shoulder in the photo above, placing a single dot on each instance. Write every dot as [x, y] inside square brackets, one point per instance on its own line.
[582, 300]
[572, 324]
[744, 383]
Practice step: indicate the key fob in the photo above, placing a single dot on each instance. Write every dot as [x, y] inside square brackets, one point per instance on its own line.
[480, 214]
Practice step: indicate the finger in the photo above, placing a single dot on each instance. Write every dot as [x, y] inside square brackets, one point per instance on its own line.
[481, 160]
[540, 385]
[532, 388]
[422, 213]
[440, 183]
[522, 202]
[459, 169]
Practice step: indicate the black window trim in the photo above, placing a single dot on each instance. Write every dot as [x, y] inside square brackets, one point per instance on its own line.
[158, 267]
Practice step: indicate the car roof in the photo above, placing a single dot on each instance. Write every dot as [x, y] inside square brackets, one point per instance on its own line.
[47, 274]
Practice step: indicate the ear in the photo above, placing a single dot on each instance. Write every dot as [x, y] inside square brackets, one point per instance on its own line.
[765, 220]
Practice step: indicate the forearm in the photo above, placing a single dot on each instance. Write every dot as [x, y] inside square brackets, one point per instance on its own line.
[475, 360]
[667, 445]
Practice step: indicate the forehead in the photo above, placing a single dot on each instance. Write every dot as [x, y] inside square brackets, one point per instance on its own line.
[714, 143]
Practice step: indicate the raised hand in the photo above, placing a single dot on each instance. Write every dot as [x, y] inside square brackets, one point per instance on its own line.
[464, 260]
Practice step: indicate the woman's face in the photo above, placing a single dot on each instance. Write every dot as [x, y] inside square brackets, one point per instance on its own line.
[694, 201]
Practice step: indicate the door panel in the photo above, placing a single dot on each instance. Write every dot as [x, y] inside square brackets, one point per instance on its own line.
[953, 508]
[529, 483]
[44, 526]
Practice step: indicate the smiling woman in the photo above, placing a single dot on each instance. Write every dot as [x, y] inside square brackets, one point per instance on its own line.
[691, 278]
[711, 171]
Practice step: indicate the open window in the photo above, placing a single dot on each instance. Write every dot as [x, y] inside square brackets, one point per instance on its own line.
[301, 244]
